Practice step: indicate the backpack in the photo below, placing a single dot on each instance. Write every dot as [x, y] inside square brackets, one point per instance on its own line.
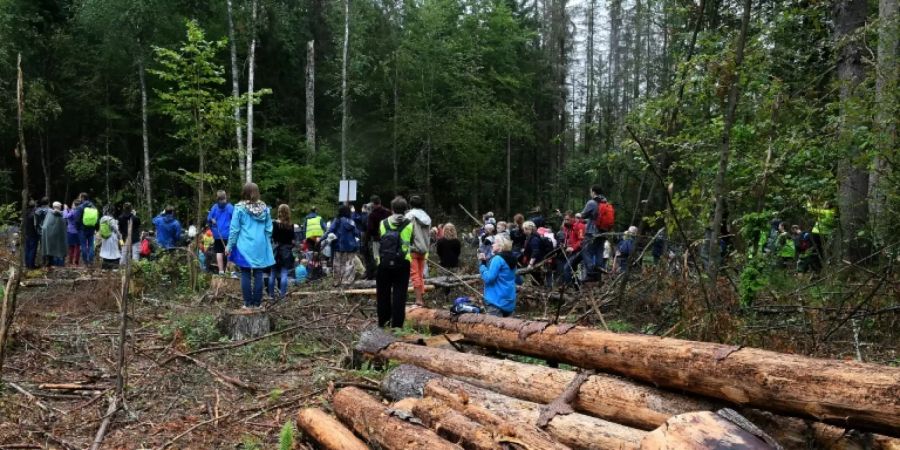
[805, 242]
[89, 216]
[146, 250]
[391, 249]
[105, 229]
[606, 216]
[546, 246]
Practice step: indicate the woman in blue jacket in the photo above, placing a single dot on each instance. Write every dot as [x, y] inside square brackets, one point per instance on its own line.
[249, 243]
[499, 275]
[345, 246]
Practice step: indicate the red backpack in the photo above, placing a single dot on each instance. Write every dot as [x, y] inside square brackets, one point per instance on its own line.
[606, 216]
[146, 250]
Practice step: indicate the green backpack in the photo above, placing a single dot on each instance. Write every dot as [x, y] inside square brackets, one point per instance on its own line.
[105, 229]
[89, 216]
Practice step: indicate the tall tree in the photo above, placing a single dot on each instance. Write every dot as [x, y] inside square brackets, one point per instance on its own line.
[251, 71]
[345, 114]
[885, 119]
[236, 88]
[311, 97]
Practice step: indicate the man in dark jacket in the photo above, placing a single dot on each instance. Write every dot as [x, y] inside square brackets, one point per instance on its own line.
[87, 227]
[592, 247]
[373, 232]
[129, 213]
[32, 237]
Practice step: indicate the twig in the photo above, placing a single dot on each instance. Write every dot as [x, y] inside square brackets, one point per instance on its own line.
[101, 432]
[224, 379]
[31, 397]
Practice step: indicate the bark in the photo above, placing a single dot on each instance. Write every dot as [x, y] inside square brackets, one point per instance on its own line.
[885, 118]
[240, 325]
[311, 97]
[701, 431]
[374, 422]
[454, 426]
[235, 89]
[251, 70]
[846, 393]
[604, 396]
[145, 135]
[589, 67]
[725, 146]
[853, 178]
[45, 163]
[327, 431]
[344, 90]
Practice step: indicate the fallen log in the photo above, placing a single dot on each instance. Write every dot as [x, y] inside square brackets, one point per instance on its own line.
[601, 395]
[327, 431]
[452, 425]
[704, 430]
[372, 420]
[844, 393]
[575, 430]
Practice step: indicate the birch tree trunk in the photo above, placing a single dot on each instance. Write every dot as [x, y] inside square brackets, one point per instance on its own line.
[145, 137]
[251, 69]
[236, 89]
[344, 113]
[311, 97]
[725, 147]
[589, 67]
[885, 116]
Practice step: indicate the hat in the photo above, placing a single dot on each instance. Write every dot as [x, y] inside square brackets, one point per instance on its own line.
[632, 230]
[57, 205]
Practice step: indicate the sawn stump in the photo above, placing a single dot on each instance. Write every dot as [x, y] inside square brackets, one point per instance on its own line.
[242, 324]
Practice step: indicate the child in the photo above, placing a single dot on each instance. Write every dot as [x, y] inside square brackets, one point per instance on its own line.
[300, 272]
[109, 235]
[626, 248]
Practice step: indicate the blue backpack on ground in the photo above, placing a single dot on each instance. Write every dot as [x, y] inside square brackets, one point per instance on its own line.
[463, 305]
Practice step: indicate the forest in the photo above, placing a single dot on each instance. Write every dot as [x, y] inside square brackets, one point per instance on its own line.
[706, 123]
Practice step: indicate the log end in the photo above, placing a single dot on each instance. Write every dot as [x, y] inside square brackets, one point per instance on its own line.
[406, 381]
[373, 340]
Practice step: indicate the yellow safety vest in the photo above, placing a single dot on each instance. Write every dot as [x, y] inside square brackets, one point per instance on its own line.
[314, 227]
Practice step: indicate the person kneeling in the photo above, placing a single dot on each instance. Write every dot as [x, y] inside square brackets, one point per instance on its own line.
[499, 275]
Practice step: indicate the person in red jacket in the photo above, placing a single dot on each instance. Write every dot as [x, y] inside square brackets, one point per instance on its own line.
[573, 232]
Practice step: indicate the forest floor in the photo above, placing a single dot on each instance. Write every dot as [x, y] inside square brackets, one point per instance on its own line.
[239, 395]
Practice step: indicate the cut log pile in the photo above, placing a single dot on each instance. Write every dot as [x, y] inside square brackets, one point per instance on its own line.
[626, 392]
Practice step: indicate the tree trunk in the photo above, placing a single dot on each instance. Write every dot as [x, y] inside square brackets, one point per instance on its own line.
[846, 393]
[45, 164]
[701, 431]
[235, 90]
[145, 136]
[604, 396]
[885, 118]
[853, 179]
[453, 425]
[725, 146]
[200, 185]
[372, 420]
[311, 98]
[327, 431]
[508, 174]
[589, 67]
[345, 117]
[251, 70]
[240, 325]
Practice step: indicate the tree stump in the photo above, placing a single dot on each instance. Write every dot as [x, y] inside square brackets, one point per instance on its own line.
[242, 324]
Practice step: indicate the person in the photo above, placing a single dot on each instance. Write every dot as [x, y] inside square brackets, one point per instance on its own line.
[72, 236]
[499, 275]
[486, 241]
[421, 242]
[32, 237]
[313, 228]
[300, 272]
[535, 251]
[536, 218]
[53, 236]
[517, 234]
[344, 246]
[373, 230]
[449, 247]
[87, 218]
[249, 243]
[168, 229]
[573, 235]
[392, 277]
[40, 213]
[626, 247]
[592, 247]
[219, 220]
[283, 243]
[784, 246]
[805, 247]
[146, 245]
[128, 213]
[365, 247]
[110, 254]
[821, 231]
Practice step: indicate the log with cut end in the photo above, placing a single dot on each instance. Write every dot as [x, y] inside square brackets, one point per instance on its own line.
[245, 324]
[452, 425]
[703, 430]
[845, 393]
[327, 431]
[373, 421]
[575, 430]
[604, 396]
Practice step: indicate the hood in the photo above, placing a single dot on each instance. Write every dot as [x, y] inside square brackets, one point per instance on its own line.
[87, 204]
[222, 206]
[395, 219]
[258, 210]
[312, 215]
[600, 199]
[509, 258]
[419, 215]
[168, 219]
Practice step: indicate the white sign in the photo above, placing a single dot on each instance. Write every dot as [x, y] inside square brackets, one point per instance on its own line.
[347, 191]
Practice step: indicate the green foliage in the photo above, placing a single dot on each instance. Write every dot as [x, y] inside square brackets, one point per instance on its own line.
[197, 329]
[9, 214]
[286, 438]
[250, 442]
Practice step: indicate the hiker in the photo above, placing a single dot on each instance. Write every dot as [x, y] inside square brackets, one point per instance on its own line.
[626, 248]
[87, 218]
[784, 247]
[449, 247]
[821, 230]
[499, 275]
[344, 246]
[536, 249]
[373, 230]
[53, 236]
[600, 217]
[300, 272]
[573, 235]
[283, 245]
[517, 234]
[808, 258]
[32, 237]
[313, 228]
[128, 213]
[219, 220]
[168, 229]
[73, 238]
[392, 278]
[419, 245]
[40, 213]
[146, 245]
[110, 254]
[486, 241]
[249, 244]
[536, 218]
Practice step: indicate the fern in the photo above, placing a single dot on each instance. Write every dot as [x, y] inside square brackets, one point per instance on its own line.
[286, 437]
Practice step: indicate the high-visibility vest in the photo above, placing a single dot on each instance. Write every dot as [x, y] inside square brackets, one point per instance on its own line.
[314, 227]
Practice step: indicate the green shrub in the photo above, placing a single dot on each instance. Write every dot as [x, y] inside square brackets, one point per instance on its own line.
[196, 329]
